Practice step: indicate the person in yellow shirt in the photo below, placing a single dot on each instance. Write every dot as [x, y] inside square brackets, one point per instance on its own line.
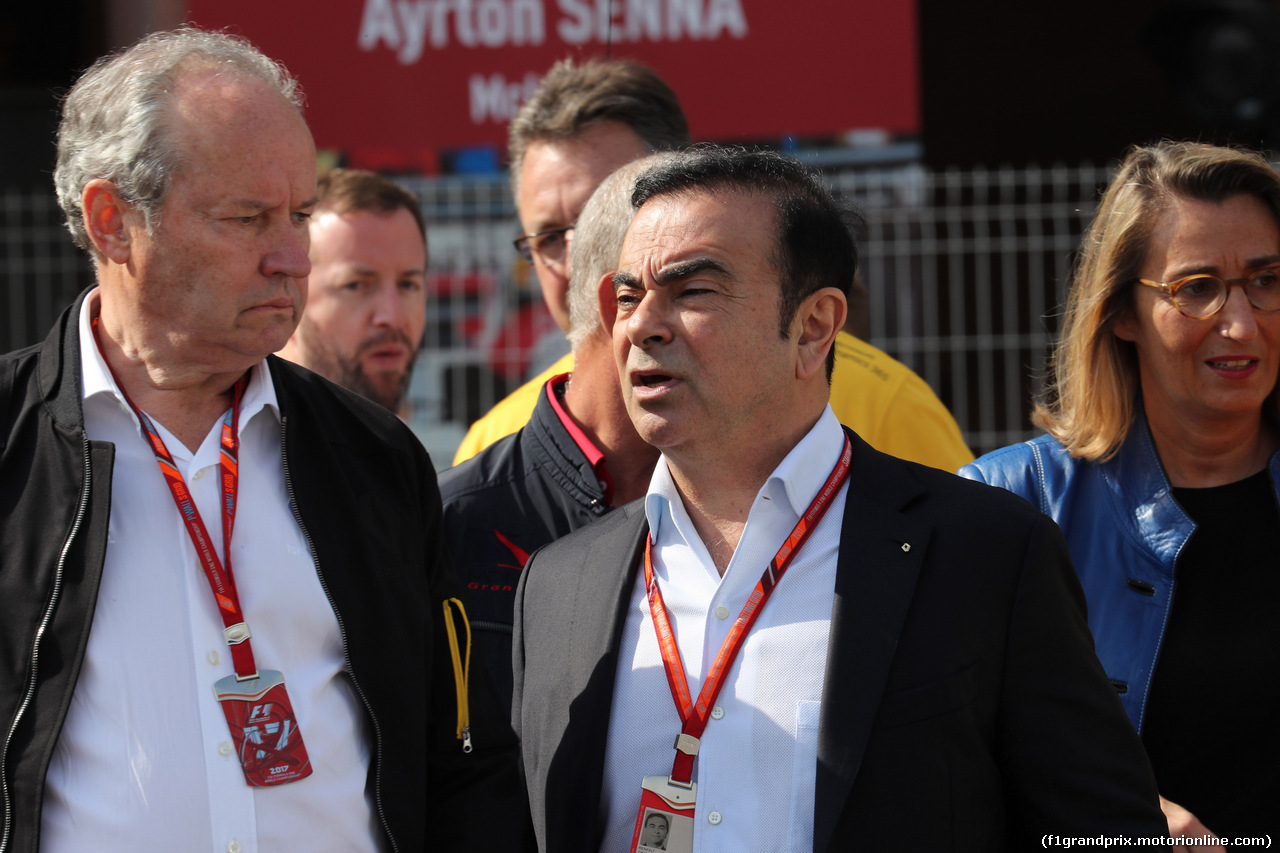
[511, 412]
[872, 393]
[584, 122]
[892, 408]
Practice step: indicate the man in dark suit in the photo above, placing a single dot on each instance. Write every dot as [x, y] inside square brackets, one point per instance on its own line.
[912, 671]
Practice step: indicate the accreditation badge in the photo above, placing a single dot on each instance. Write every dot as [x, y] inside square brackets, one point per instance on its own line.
[665, 819]
[264, 729]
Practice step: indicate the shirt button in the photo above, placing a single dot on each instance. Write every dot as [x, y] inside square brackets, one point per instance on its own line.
[214, 658]
[225, 748]
[196, 476]
[717, 713]
[714, 818]
[233, 847]
[722, 612]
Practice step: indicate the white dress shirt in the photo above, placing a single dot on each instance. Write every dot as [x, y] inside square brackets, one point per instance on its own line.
[145, 759]
[757, 764]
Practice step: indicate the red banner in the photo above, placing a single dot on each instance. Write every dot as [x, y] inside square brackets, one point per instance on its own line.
[397, 81]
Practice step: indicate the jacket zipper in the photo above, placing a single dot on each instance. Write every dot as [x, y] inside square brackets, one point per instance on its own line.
[342, 630]
[35, 648]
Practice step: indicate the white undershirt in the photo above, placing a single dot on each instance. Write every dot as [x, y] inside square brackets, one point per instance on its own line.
[144, 760]
[757, 763]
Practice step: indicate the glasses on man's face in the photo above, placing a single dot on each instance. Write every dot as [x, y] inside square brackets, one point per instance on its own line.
[1201, 296]
[549, 245]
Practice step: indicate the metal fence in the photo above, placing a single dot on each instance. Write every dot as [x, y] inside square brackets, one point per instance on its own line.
[41, 270]
[966, 271]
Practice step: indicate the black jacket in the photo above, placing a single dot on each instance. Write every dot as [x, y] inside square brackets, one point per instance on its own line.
[366, 498]
[528, 489]
[962, 706]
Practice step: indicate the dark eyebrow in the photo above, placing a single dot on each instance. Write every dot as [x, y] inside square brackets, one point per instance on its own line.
[673, 273]
[624, 279]
[690, 268]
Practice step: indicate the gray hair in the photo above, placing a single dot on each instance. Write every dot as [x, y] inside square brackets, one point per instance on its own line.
[113, 120]
[597, 243]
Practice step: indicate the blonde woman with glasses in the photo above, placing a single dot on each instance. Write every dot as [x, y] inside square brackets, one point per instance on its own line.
[1160, 465]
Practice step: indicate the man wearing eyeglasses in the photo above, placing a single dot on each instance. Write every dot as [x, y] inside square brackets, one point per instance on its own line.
[577, 457]
[585, 121]
[567, 467]
[582, 123]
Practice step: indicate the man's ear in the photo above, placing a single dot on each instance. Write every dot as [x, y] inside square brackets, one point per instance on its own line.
[106, 218]
[608, 305]
[817, 321]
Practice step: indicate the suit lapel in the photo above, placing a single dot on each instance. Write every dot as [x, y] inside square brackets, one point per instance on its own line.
[608, 572]
[881, 552]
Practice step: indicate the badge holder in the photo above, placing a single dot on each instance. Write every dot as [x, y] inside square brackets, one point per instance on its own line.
[264, 728]
[664, 821]
[256, 705]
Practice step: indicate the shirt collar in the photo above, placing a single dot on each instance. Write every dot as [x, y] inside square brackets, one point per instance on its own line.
[555, 389]
[96, 378]
[797, 479]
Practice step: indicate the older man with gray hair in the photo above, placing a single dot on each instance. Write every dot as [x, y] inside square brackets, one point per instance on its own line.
[576, 458]
[171, 679]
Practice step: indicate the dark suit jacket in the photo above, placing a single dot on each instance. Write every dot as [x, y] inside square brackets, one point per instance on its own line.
[963, 707]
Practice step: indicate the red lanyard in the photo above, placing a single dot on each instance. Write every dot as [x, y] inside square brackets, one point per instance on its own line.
[218, 572]
[695, 716]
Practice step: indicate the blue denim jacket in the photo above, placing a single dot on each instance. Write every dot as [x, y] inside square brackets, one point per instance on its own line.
[1125, 532]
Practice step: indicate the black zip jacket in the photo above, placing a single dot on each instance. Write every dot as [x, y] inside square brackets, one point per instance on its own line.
[518, 494]
[365, 494]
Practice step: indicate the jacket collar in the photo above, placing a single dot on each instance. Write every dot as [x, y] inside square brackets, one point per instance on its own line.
[595, 628]
[1136, 478]
[881, 552]
[60, 368]
[875, 583]
[558, 454]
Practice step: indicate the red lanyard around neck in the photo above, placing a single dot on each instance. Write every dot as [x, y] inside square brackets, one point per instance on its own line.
[693, 715]
[218, 572]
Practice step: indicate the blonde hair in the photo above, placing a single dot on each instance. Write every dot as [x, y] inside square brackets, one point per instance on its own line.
[1090, 400]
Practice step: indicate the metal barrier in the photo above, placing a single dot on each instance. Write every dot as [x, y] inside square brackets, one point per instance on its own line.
[41, 270]
[966, 271]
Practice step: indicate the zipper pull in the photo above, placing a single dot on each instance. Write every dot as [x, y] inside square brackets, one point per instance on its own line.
[466, 738]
